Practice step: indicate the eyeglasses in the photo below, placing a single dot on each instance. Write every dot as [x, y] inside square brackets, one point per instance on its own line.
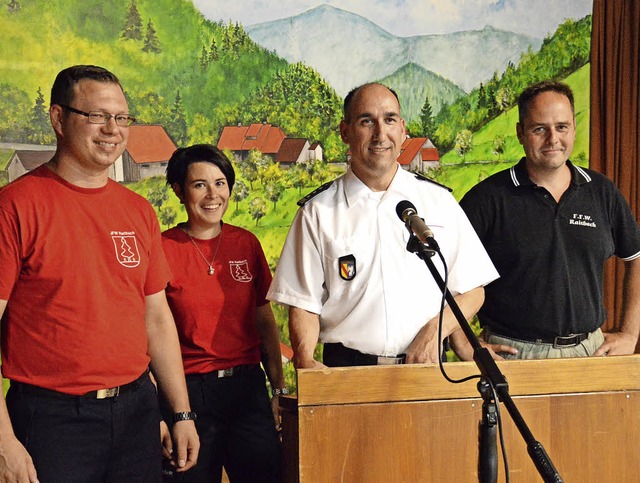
[100, 117]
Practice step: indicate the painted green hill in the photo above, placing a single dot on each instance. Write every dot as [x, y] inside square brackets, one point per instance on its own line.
[462, 174]
[413, 83]
[180, 67]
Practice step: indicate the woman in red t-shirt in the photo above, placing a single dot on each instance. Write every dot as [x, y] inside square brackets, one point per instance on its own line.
[226, 327]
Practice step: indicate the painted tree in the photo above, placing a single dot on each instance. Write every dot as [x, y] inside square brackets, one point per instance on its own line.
[273, 181]
[240, 192]
[227, 42]
[151, 42]
[178, 125]
[321, 172]
[274, 190]
[499, 143]
[39, 130]
[298, 176]
[504, 98]
[463, 143]
[263, 163]
[269, 171]
[214, 55]
[258, 208]
[167, 216]
[203, 59]
[482, 99]
[426, 116]
[249, 166]
[133, 23]
[157, 195]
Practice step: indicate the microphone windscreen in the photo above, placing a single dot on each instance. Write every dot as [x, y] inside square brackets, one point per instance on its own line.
[402, 207]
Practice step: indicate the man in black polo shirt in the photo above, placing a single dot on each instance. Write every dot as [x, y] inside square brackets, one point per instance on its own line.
[549, 226]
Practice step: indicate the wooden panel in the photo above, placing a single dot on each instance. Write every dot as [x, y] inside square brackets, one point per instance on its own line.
[420, 382]
[588, 436]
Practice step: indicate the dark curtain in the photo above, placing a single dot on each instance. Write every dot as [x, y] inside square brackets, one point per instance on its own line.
[615, 118]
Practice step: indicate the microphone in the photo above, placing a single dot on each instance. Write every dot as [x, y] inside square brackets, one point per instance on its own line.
[407, 213]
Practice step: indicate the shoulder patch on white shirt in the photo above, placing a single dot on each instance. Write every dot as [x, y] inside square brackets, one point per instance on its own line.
[424, 178]
[315, 192]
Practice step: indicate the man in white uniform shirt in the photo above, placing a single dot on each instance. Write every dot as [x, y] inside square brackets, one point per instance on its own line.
[344, 270]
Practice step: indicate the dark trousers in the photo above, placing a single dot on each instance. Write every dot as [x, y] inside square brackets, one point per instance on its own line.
[76, 439]
[236, 429]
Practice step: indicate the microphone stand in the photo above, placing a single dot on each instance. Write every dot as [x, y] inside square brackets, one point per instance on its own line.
[490, 372]
[488, 449]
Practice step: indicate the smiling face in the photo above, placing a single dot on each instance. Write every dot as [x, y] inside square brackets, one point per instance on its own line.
[547, 133]
[91, 148]
[205, 195]
[374, 131]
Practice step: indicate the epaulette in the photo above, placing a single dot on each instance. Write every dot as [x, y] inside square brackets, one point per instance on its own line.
[315, 192]
[424, 178]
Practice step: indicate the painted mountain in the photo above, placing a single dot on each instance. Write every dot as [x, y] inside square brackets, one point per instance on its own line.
[347, 49]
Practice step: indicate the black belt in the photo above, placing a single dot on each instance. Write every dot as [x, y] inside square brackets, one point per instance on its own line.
[336, 354]
[99, 394]
[229, 372]
[570, 340]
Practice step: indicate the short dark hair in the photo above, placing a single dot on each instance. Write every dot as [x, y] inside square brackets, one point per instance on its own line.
[531, 92]
[62, 90]
[198, 153]
[349, 99]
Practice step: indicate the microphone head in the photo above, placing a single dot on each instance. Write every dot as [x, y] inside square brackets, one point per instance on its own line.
[402, 210]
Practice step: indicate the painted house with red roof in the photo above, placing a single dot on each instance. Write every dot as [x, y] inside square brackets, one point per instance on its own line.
[418, 155]
[242, 139]
[148, 151]
[269, 140]
[292, 150]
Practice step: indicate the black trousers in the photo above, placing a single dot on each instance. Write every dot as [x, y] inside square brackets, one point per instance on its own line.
[81, 440]
[236, 429]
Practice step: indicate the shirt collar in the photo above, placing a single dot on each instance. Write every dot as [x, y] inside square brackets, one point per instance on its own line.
[520, 177]
[355, 189]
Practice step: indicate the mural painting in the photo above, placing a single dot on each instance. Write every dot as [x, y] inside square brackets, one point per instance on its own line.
[265, 81]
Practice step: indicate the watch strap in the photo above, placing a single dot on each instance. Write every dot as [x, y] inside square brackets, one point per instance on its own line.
[184, 416]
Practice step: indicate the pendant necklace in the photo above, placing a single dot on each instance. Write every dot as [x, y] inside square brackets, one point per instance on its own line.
[211, 270]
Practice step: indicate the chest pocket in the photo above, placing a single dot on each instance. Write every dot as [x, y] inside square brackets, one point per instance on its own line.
[348, 265]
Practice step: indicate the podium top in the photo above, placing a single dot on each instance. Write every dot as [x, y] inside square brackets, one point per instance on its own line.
[423, 382]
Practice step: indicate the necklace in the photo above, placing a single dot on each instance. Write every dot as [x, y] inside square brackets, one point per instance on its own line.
[211, 270]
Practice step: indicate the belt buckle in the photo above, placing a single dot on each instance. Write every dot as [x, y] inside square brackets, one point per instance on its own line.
[566, 341]
[389, 361]
[225, 372]
[106, 393]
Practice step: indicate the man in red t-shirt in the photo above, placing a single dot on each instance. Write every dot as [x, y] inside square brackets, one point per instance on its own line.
[84, 313]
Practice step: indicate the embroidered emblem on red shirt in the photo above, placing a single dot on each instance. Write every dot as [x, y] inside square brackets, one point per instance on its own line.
[126, 250]
[240, 271]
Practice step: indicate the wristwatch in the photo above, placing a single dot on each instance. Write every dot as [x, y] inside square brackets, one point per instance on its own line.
[184, 416]
[280, 390]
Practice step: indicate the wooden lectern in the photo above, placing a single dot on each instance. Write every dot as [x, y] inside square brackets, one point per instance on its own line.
[408, 424]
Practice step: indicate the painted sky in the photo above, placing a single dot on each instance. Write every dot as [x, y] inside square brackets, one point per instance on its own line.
[415, 17]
